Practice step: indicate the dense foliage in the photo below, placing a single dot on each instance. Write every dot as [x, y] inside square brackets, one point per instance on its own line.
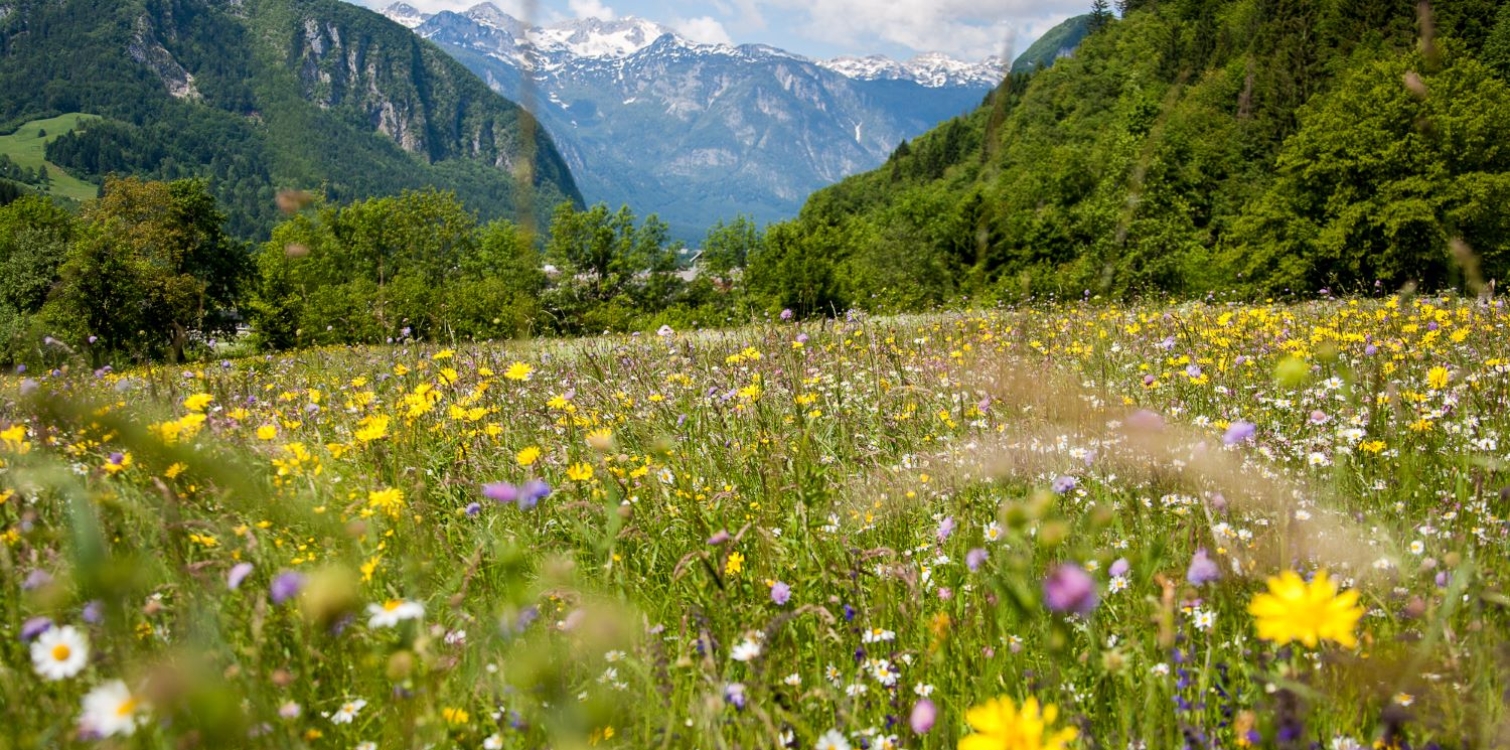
[1262, 146]
[148, 271]
[266, 95]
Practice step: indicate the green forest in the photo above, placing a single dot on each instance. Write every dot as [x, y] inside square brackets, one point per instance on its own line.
[244, 96]
[1257, 147]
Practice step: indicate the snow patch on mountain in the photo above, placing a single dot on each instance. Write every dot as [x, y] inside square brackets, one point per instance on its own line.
[405, 15]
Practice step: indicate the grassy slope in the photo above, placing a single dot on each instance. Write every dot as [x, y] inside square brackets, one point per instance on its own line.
[26, 149]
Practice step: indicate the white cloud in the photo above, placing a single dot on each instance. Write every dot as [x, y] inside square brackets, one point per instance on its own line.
[705, 29]
[963, 28]
[591, 9]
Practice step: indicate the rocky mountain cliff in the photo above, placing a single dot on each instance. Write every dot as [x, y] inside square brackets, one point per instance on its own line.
[259, 95]
[699, 132]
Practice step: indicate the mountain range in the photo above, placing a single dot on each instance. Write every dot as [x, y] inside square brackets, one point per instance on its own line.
[262, 95]
[697, 132]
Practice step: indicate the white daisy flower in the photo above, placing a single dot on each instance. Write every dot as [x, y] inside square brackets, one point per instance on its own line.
[745, 650]
[832, 740]
[392, 612]
[493, 742]
[347, 712]
[111, 709]
[60, 653]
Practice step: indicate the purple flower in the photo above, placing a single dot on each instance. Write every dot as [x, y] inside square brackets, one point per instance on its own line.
[500, 492]
[36, 579]
[802, 338]
[975, 558]
[1239, 432]
[780, 593]
[532, 493]
[94, 612]
[734, 693]
[1203, 569]
[473, 509]
[946, 527]
[1144, 420]
[1370, 350]
[719, 537]
[1068, 588]
[286, 585]
[34, 627]
[1120, 568]
[924, 713]
[786, 314]
[1063, 484]
[238, 573]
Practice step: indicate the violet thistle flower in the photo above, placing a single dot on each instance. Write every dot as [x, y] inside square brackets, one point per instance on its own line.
[924, 713]
[1239, 432]
[1203, 569]
[286, 585]
[780, 593]
[1068, 588]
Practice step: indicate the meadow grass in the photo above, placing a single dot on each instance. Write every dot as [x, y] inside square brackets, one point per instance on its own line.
[840, 534]
[28, 149]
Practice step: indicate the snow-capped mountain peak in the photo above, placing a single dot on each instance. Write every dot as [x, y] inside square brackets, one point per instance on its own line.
[488, 14]
[405, 14]
[592, 37]
[930, 69]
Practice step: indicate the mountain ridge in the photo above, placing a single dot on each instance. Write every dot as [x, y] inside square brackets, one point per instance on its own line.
[698, 133]
[262, 95]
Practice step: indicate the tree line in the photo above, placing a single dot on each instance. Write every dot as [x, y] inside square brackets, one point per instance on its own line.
[149, 272]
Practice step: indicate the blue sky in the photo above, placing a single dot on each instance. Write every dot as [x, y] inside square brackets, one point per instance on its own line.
[966, 29]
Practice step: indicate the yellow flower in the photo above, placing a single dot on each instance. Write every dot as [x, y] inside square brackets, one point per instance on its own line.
[734, 564]
[443, 354]
[455, 715]
[519, 371]
[13, 439]
[600, 439]
[177, 468]
[267, 432]
[118, 462]
[372, 428]
[198, 402]
[1293, 610]
[528, 456]
[1437, 377]
[390, 501]
[369, 567]
[579, 472]
[1000, 725]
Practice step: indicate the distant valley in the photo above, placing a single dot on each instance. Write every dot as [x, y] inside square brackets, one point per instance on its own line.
[698, 132]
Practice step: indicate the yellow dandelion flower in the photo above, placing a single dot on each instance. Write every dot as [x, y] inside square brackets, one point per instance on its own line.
[390, 501]
[370, 428]
[455, 716]
[579, 472]
[1000, 725]
[1293, 610]
[267, 432]
[1437, 378]
[735, 564]
[528, 456]
[519, 371]
[198, 402]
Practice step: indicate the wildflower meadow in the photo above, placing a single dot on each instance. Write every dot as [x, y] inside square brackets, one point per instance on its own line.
[1205, 525]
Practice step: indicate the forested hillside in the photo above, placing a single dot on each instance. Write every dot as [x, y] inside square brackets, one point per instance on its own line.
[1263, 146]
[257, 95]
